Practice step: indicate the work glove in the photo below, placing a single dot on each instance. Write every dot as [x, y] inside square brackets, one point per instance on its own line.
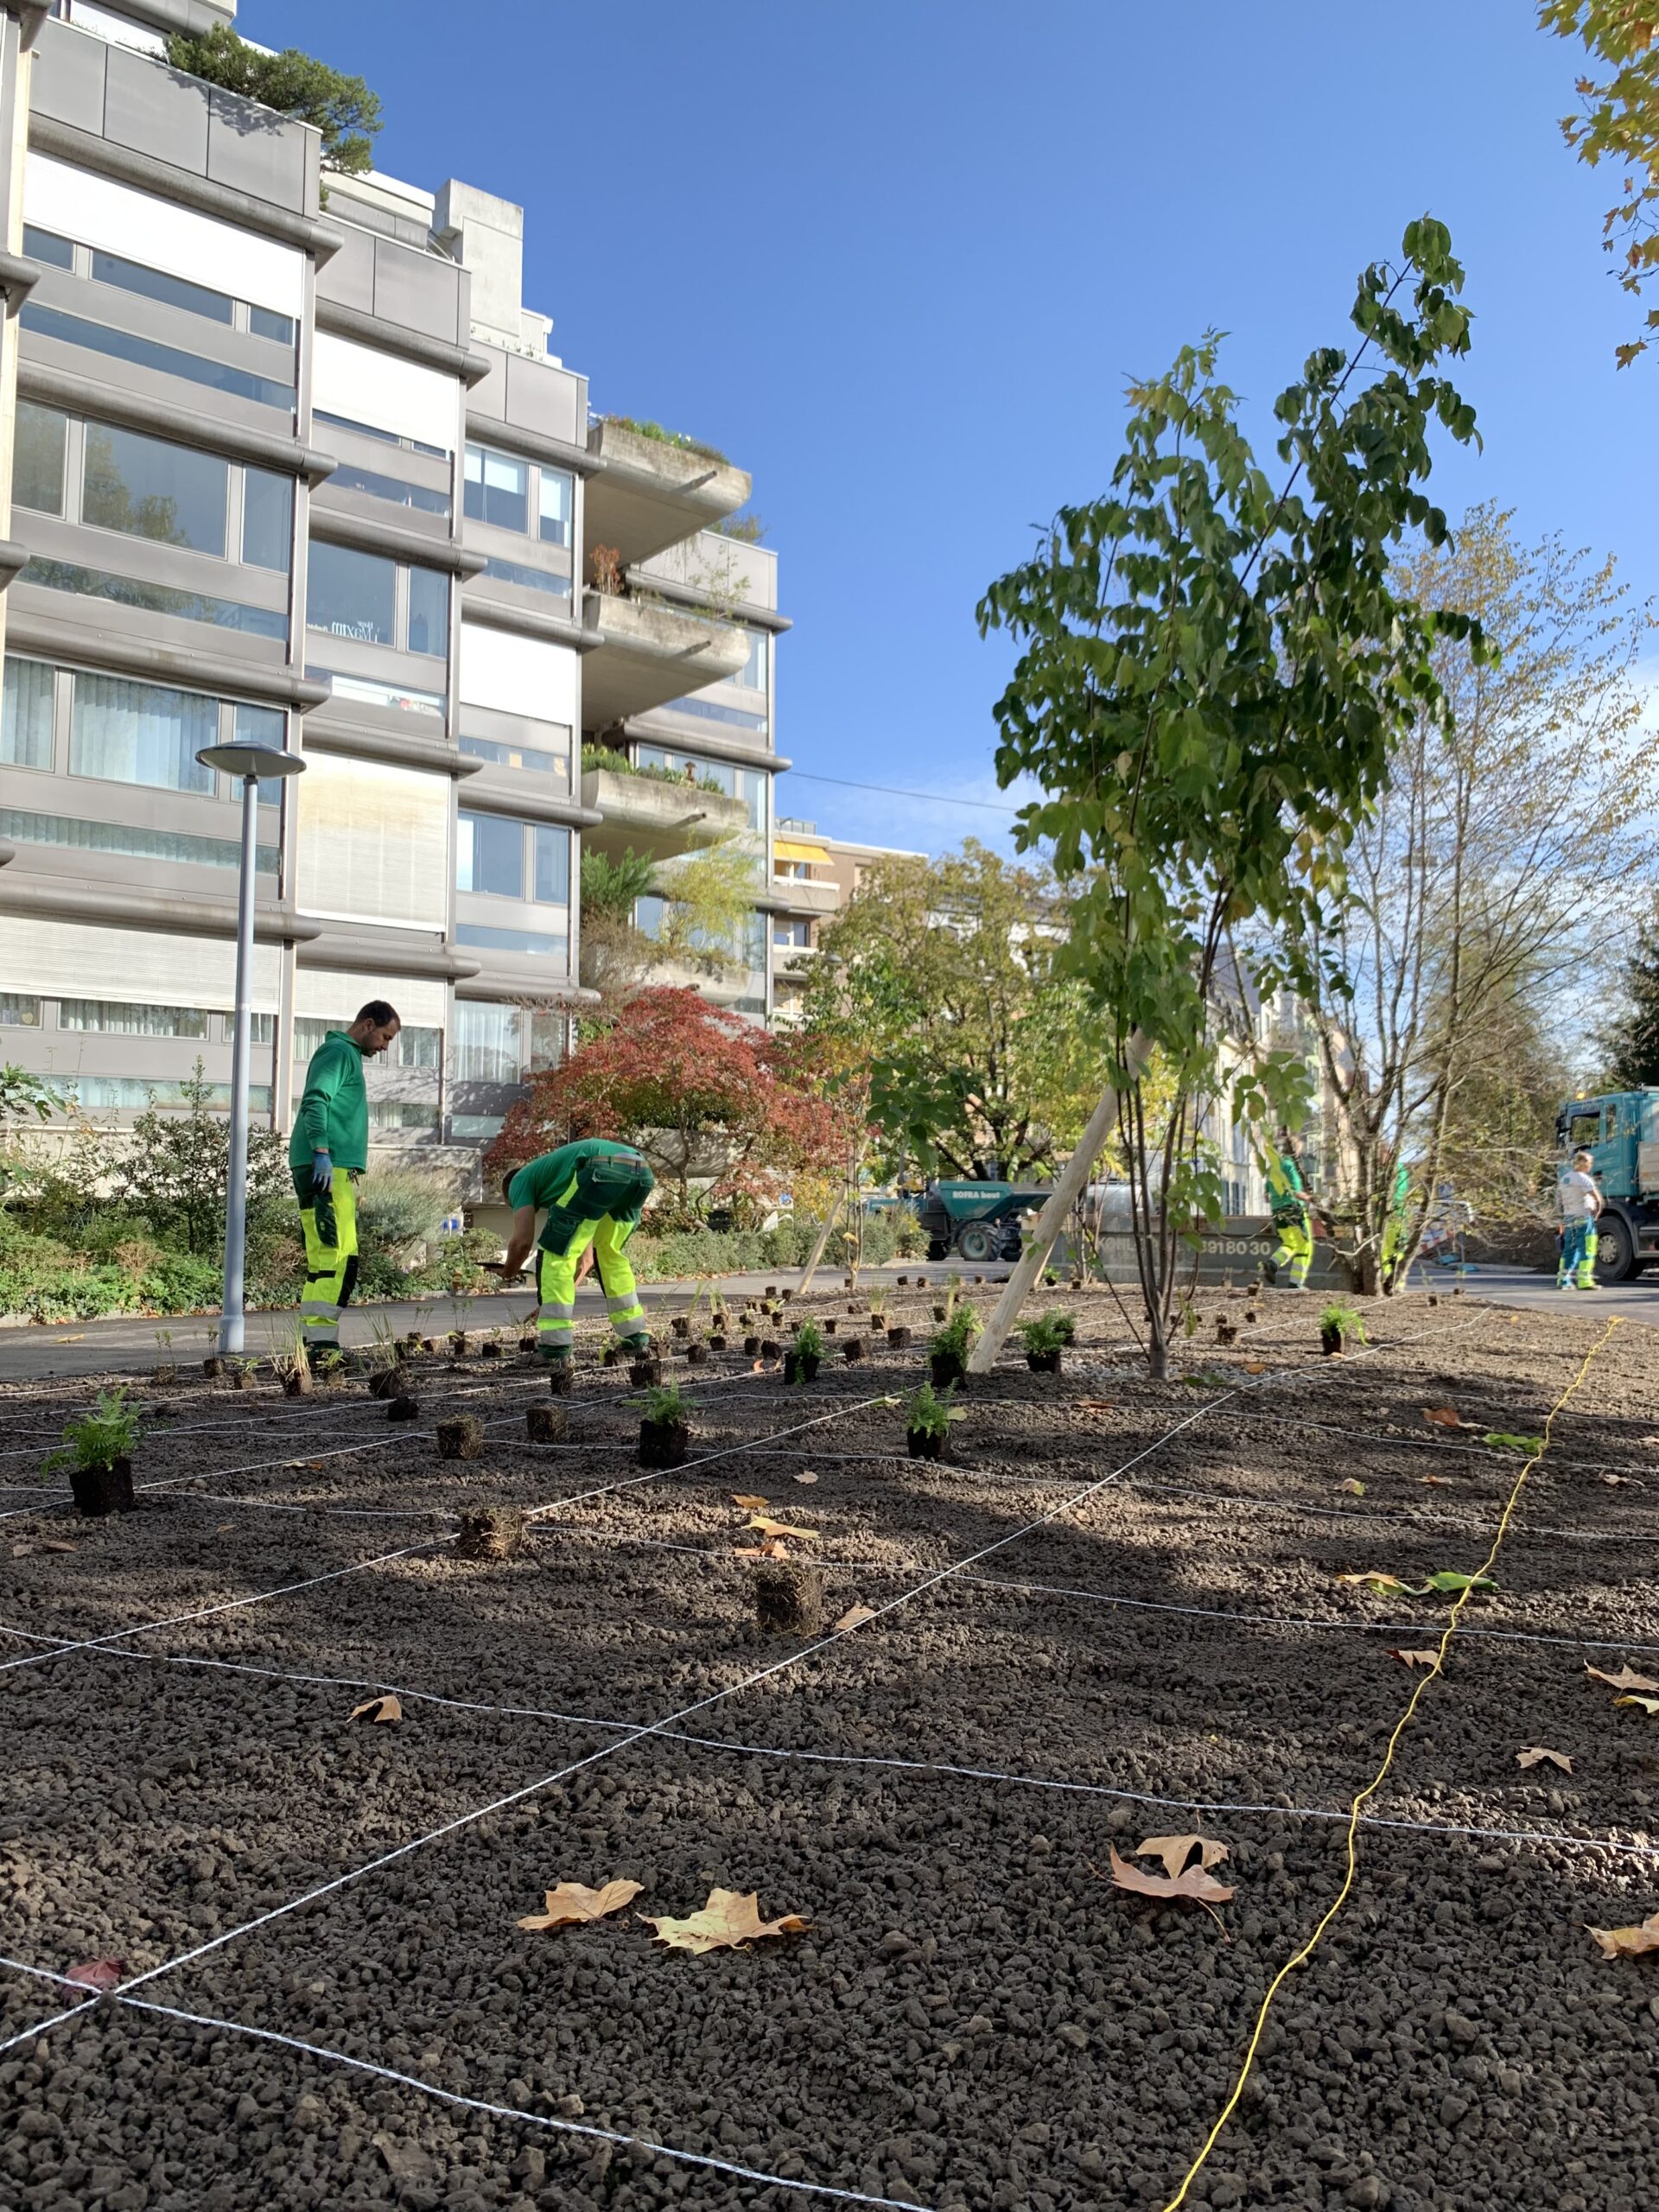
[322, 1174]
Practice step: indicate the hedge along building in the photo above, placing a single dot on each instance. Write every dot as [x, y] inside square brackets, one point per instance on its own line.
[310, 475]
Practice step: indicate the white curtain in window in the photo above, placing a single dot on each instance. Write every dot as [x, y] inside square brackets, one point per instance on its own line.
[486, 1043]
[26, 728]
[142, 733]
[374, 844]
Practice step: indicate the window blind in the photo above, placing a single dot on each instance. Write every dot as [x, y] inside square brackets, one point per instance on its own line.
[374, 844]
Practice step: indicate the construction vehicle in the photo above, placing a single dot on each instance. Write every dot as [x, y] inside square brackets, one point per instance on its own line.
[978, 1219]
[1620, 1132]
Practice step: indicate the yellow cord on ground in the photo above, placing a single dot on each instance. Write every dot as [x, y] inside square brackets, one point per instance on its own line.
[1301, 1957]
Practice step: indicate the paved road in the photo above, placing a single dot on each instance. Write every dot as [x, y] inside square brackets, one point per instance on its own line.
[1636, 1300]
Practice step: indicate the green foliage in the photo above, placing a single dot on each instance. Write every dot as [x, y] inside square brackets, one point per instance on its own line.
[600, 759]
[400, 1208]
[110, 1432]
[1049, 1333]
[1213, 670]
[610, 888]
[23, 1097]
[809, 1340]
[1631, 1044]
[747, 529]
[929, 1414]
[1067, 1323]
[1501, 1441]
[177, 1170]
[1620, 123]
[343, 108]
[954, 1339]
[1345, 1322]
[648, 429]
[665, 1408]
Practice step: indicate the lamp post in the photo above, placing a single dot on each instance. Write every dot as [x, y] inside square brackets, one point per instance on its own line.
[251, 763]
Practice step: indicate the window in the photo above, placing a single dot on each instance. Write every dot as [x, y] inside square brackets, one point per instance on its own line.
[557, 495]
[550, 854]
[790, 932]
[549, 1035]
[490, 855]
[65, 831]
[150, 488]
[498, 489]
[19, 1012]
[474, 1128]
[514, 756]
[140, 733]
[147, 354]
[401, 1114]
[428, 612]
[352, 595]
[348, 477]
[46, 246]
[515, 572]
[265, 323]
[37, 463]
[368, 693]
[557, 948]
[111, 1017]
[26, 723]
[710, 710]
[752, 675]
[267, 519]
[387, 437]
[262, 1028]
[409, 1048]
[137, 1092]
[1584, 1132]
[157, 284]
[156, 598]
[486, 1048]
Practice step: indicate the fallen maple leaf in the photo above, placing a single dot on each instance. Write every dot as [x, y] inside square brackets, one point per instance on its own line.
[1352, 1487]
[56, 1544]
[1255, 1367]
[1628, 1943]
[1436, 1482]
[1176, 1850]
[376, 1709]
[773, 1550]
[855, 1616]
[1535, 1755]
[81, 1339]
[1195, 1885]
[751, 1501]
[573, 1901]
[727, 1920]
[1416, 1658]
[806, 1478]
[1443, 1416]
[98, 1974]
[1625, 1679]
[1614, 1481]
[1384, 1585]
[769, 1527]
[1649, 1705]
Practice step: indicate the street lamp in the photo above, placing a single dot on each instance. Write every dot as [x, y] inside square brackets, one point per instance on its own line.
[251, 763]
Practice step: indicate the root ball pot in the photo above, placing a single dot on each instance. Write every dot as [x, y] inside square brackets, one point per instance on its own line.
[98, 1491]
[491, 1532]
[800, 1367]
[898, 1339]
[925, 1443]
[560, 1378]
[945, 1368]
[643, 1373]
[1331, 1342]
[771, 1349]
[404, 1409]
[788, 1597]
[854, 1350]
[717, 1342]
[462, 1437]
[545, 1424]
[696, 1354]
[1043, 1363]
[752, 1346]
[663, 1443]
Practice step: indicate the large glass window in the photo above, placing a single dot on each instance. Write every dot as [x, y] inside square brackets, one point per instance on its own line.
[267, 519]
[490, 855]
[156, 598]
[19, 1011]
[348, 477]
[486, 1043]
[368, 693]
[352, 595]
[45, 246]
[412, 1048]
[265, 323]
[551, 856]
[26, 723]
[147, 354]
[513, 756]
[24, 828]
[515, 572]
[748, 784]
[428, 612]
[554, 948]
[710, 710]
[150, 488]
[753, 674]
[140, 733]
[374, 430]
[157, 284]
[37, 458]
[114, 1017]
[790, 932]
[556, 500]
[498, 489]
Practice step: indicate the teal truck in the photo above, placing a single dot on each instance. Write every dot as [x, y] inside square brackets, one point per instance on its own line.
[1620, 1132]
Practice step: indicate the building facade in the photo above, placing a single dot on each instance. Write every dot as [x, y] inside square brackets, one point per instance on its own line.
[300, 467]
[813, 878]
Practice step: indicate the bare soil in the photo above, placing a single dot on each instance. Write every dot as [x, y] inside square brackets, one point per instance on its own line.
[1095, 1630]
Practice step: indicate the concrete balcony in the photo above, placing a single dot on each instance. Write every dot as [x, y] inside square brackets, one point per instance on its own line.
[812, 901]
[649, 815]
[651, 493]
[647, 654]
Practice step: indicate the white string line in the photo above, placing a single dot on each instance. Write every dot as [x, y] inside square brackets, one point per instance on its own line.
[1533, 1836]
[1424, 1519]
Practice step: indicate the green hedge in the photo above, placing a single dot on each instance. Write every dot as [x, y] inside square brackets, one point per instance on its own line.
[738, 1251]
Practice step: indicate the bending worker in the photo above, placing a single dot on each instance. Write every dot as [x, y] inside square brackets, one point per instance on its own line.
[328, 1150]
[594, 1193]
[1394, 1228]
[1580, 1203]
[1292, 1253]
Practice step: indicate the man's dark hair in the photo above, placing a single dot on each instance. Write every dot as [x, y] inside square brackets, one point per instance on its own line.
[379, 1012]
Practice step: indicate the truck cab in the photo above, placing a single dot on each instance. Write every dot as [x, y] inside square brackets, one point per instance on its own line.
[1620, 1131]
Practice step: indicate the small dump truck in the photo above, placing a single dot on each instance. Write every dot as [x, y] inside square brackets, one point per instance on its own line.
[1620, 1132]
[979, 1221]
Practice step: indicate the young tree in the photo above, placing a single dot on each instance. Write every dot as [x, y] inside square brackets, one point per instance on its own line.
[1631, 1043]
[1214, 670]
[1498, 865]
[943, 977]
[709, 1098]
[708, 900]
[1620, 123]
[343, 108]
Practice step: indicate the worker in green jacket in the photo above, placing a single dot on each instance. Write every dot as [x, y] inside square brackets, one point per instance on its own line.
[1394, 1229]
[592, 1191]
[1292, 1253]
[329, 1147]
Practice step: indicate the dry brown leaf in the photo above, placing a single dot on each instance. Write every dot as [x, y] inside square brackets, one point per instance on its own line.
[728, 1919]
[766, 1527]
[1094, 1405]
[1375, 1579]
[98, 1974]
[54, 1544]
[855, 1616]
[1625, 1679]
[1353, 1487]
[751, 1501]
[573, 1901]
[79, 1340]
[1615, 1482]
[1416, 1658]
[376, 1709]
[773, 1550]
[1443, 1416]
[1534, 1755]
[1176, 1850]
[806, 1478]
[1628, 1943]
[1255, 1367]
[1436, 1482]
[1649, 1705]
[1195, 1885]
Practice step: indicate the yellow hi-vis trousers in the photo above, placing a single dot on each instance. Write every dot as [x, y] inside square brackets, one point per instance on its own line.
[330, 1268]
[1294, 1254]
[556, 1277]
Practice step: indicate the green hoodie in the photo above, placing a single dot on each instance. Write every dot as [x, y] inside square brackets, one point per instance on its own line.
[333, 1114]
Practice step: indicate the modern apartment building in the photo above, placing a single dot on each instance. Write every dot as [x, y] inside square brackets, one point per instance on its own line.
[302, 469]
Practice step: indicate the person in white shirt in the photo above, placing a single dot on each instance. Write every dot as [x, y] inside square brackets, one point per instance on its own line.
[1580, 1203]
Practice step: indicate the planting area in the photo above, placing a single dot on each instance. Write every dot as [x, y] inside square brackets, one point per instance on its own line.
[1115, 1612]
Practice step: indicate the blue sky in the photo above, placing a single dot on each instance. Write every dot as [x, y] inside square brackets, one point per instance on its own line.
[899, 259]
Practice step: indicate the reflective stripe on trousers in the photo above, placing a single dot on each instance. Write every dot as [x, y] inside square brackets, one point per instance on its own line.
[330, 1269]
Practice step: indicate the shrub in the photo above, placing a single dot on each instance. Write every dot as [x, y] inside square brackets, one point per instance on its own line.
[809, 1340]
[954, 1338]
[109, 1432]
[1344, 1321]
[1049, 1333]
[928, 1414]
[664, 1406]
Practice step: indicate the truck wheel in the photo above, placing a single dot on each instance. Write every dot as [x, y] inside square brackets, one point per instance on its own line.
[977, 1241]
[1616, 1259]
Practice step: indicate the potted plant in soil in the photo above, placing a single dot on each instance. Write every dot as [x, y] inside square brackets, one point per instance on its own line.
[830, 1325]
[98, 1451]
[801, 1361]
[752, 1345]
[927, 1422]
[853, 1349]
[166, 1370]
[1046, 1339]
[898, 1337]
[644, 1371]
[1337, 1325]
[666, 1432]
[950, 1347]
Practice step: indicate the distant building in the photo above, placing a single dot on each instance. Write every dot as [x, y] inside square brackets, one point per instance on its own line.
[813, 877]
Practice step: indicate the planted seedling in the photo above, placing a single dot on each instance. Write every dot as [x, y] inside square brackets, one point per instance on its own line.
[98, 1451]
[802, 1360]
[1046, 1339]
[666, 1431]
[927, 1422]
[1339, 1326]
[166, 1369]
[950, 1347]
